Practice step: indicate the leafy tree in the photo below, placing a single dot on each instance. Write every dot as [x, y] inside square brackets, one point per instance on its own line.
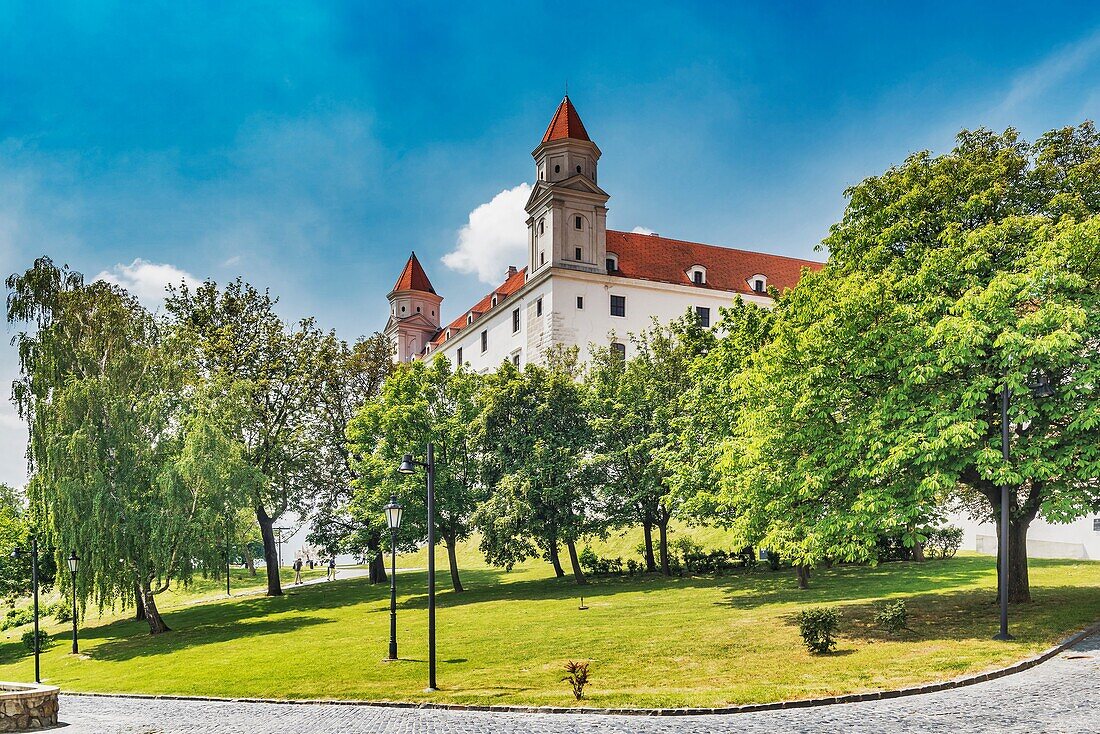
[420, 402]
[268, 380]
[634, 407]
[121, 464]
[536, 442]
[15, 532]
[879, 397]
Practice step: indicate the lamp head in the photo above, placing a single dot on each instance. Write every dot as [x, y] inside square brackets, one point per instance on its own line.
[17, 552]
[74, 562]
[393, 513]
[1041, 387]
[408, 466]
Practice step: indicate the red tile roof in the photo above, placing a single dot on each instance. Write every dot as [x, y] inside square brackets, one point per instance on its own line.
[515, 280]
[413, 277]
[566, 124]
[651, 257]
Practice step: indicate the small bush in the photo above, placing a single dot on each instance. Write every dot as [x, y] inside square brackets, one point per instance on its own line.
[633, 567]
[28, 640]
[576, 677]
[17, 618]
[61, 611]
[588, 559]
[893, 617]
[597, 566]
[943, 542]
[818, 626]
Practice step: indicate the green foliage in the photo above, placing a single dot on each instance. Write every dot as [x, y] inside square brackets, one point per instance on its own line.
[818, 627]
[44, 640]
[577, 678]
[943, 542]
[893, 616]
[598, 566]
[60, 610]
[17, 617]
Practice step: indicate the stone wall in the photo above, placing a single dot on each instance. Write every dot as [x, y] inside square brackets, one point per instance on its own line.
[24, 706]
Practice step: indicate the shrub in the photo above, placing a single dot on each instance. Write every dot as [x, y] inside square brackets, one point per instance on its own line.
[597, 566]
[28, 640]
[60, 611]
[893, 616]
[588, 559]
[943, 542]
[17, 618]
[576, 677]
[633, 567]
[818, 626]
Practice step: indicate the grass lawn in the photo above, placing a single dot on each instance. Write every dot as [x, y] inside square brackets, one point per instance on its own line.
[651, 641]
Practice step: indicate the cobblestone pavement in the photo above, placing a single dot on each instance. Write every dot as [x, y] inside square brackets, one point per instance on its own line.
[1060, 696]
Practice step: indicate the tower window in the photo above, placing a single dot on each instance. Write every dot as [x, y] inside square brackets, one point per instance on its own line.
[702, 315]
[484, 340]
[542, 259]
[578, 223]
[459, 358]
[557, 169]
[542, 226]
[577, 252]
[580, 303]
[578, 169]
[538, 307]
[515, 321]
[418, 309]
[618, 305]
[402, 309]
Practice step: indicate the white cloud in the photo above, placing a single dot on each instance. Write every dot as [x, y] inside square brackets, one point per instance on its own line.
[642, 230]
[146, 280]
[1050, 71]
[494, 237]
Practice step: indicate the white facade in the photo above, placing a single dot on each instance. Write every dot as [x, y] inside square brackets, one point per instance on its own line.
[1079, 539]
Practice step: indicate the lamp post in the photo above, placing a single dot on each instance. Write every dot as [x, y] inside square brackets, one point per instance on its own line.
[1040, 388]
[393, 520]
[18, 553]
[74, 562]
[408, 466]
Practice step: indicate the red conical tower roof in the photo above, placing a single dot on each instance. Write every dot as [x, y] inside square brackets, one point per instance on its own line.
[566, 124]
[413, 277]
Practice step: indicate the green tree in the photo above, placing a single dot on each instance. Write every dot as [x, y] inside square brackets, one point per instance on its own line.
[879, 397]
[120, 461]
[267, 379]
[420, 402]
[536, 442]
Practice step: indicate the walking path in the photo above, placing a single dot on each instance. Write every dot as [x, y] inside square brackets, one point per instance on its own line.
[1061, 696]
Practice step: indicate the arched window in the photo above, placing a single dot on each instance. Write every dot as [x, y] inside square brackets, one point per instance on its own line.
[612, 262]
[759, 283]
[697, 274]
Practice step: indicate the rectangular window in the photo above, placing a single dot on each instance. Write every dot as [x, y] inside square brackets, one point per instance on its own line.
[515, 321]
[702, 315]
[577, 253]
[610, 263]
[484, 340]
[578, 223]
[515, 359]
[758, 286]
[542, 259]
[538, 307]
[618, 349]
[698, 277]
[580, 303]
[618, 305]
[459, 360]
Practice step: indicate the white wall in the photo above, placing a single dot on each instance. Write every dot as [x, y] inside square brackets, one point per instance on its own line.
[1044, 540]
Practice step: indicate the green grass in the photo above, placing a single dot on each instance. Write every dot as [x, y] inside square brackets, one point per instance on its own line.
[651, 641]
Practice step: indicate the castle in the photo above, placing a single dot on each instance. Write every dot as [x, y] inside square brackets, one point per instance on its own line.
[583, 284]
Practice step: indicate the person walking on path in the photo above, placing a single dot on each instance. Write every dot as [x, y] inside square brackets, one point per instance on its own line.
[297, 571]
[332, 568]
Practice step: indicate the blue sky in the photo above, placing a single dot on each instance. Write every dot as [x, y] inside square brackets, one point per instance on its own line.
[309, 146]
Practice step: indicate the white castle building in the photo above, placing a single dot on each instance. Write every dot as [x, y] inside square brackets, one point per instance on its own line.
[583, 284]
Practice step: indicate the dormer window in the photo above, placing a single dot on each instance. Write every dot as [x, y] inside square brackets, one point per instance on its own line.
[612, 262]
[759, 283]
[697, 274]
[494, 302]
[469, 319]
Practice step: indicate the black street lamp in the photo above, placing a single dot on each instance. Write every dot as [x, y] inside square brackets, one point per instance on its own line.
[74, 562]
[408, 466]
[18, 553]
[1040, 388]
[393, 520]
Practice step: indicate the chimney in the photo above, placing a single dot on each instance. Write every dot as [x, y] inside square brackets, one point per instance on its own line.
[512, 270]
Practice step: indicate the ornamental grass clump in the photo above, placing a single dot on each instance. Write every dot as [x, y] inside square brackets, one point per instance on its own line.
[818, 626]
[577, 678]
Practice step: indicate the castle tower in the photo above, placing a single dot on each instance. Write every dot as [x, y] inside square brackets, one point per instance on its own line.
[414, 312]
[567, 212]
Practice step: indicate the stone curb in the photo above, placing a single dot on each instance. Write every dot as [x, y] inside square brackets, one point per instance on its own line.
[969, 680]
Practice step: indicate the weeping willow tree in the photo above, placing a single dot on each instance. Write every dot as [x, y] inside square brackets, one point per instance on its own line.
[125, 468]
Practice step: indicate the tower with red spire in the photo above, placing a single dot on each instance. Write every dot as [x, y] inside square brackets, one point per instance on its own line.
[567, 212]
[414, 312]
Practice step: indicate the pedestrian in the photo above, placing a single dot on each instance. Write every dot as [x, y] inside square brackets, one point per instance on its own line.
[332, 568]
[310, 564]
[297, 571]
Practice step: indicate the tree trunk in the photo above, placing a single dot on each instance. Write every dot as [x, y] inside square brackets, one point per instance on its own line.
[665, 566]
[139, 604]
[803, 576]
[249, 561]
[271, 552]
[156, 622]
[554, 560]
[578, 574]
[918, 552]
[376, 569]
[452, 561]
[647, 533]
[1019, 587]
